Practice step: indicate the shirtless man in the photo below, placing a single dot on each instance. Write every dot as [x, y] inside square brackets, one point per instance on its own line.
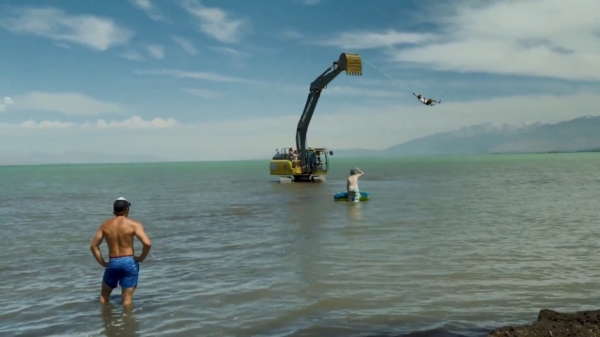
[122, 267]
[352, 185]
[427, 101]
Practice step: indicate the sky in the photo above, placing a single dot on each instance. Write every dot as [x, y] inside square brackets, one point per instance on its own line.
[228, 79]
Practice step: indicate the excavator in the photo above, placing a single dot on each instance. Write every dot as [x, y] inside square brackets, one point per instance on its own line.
[312, 164]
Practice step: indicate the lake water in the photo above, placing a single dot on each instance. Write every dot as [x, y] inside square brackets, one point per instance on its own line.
[447, 245]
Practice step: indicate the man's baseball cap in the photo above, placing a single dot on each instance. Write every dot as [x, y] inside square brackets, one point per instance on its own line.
[121, 204]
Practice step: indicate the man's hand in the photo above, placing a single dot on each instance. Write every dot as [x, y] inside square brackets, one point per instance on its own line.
[138, 259]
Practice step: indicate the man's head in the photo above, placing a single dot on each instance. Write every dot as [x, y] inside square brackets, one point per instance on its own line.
[121, 206]
[353, 172]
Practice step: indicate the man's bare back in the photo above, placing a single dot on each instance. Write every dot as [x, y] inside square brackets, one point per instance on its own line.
[119, 233]
[352, 184]
[123, 265]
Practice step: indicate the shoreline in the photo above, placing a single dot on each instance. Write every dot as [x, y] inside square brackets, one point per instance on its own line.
[552, 323]
[368, 156]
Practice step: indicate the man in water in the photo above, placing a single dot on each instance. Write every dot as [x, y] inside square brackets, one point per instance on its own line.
[352, 185]
[122, 267]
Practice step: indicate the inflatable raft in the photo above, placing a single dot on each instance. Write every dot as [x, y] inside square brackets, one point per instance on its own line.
[343, 196]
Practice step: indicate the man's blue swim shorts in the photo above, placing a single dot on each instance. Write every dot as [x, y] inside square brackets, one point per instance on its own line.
[121, 270]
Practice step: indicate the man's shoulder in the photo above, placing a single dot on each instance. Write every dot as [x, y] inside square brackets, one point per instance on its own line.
[134, 222]
[106, 222]
[129, 221]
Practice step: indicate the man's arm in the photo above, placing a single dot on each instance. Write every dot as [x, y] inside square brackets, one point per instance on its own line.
[141, 235]
[95, 247]
[360, 172]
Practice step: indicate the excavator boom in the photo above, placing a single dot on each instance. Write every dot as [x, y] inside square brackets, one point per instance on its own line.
[352, 65]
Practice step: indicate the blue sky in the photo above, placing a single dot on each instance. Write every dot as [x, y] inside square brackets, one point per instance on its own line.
[228, 79]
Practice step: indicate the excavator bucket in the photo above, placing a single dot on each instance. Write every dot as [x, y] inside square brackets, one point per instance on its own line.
[351, 63]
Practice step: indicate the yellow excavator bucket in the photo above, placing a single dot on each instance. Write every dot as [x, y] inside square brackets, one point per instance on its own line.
[351, 63]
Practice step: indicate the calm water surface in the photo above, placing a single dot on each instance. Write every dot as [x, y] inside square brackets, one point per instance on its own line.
[458, 245]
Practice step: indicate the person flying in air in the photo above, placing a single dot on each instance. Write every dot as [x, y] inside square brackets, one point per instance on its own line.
[427, 101]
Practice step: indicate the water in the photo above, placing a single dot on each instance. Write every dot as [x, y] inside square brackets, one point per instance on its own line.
[461, 245]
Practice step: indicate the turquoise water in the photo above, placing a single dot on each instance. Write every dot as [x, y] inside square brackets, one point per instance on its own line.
[462, 244]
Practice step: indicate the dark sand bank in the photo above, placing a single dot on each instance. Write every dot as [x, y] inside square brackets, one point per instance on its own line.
[550, 323]
[556, 324]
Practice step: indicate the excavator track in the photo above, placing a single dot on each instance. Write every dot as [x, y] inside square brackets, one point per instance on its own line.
[351, 64]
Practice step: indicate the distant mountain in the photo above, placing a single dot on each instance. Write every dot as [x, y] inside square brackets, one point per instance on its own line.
[580, 134]
[352, 153]
[35, 158]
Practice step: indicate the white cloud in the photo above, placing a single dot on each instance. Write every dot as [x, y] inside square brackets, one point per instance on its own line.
[149, 8]
[137, 122]
[204, 93]
[229, 51]
[556, 39]
[62, 45]
[194, 75]
[235, 55]
[31, 124]
[186, 45]
[373, 126]
[6, 101]
[132, 55]
[95, 32]
[216, 23]
[156, 51]
[68, 103]
[134, 122]
[369, 40]
[343, 91]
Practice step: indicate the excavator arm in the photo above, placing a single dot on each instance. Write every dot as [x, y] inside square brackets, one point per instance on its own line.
[352, 65]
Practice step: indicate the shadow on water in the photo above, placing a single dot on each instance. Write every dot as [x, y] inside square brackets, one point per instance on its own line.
[119, 323]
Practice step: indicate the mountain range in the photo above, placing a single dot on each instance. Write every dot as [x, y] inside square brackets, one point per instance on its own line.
[576, 135]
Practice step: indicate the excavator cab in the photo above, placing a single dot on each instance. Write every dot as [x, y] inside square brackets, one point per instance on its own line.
[288, 167]
[318, 161]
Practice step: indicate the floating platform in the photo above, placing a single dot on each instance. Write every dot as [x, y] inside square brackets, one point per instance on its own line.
[343, 196]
